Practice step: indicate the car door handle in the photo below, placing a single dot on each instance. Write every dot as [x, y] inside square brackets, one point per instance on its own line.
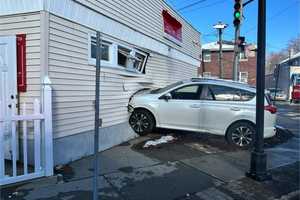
[235, 109]
[195, 106]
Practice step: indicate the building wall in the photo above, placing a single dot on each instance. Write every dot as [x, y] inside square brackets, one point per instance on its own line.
[248, 65]
[73, 80]
[29, 24]
[146, 17]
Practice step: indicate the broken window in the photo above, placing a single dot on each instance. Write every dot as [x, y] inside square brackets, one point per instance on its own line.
[132, 59]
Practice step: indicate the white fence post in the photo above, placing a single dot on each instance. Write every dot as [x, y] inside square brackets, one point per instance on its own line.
[37, 137]
[25, 156]
[48, 132]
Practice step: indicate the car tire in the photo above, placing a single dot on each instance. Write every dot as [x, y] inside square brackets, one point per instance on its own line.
[142, 122]
[241, 134]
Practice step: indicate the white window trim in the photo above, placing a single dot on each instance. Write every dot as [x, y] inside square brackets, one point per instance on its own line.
[243, 59]
[206, 74]
[134, 52]
[206, 60]
[113, 55]
[92, 61]
[246, 77]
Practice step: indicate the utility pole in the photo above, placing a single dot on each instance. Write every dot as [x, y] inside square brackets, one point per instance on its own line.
[220, 26]
[98, 122]
[258, 164]
[238, 8]
[236, 57]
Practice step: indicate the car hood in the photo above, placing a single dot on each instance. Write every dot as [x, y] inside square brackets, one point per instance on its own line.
[142, 95]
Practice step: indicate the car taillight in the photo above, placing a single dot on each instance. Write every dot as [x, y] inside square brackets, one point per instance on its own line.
[271, 108]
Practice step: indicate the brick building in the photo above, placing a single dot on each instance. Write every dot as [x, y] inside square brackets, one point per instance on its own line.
[210, 63]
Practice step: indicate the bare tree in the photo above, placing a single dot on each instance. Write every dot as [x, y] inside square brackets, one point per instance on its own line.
[275, 58]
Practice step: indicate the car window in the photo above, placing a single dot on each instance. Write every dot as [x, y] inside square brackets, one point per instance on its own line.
[190, 92]
[224, 93]
[246, 95]
[168, 87]
[207, 94]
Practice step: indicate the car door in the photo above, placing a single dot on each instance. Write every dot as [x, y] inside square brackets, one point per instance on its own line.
[219, 106]
[182, 110]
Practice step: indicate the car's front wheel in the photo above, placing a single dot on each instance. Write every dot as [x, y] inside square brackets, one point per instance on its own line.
[142, 121]
[241, 134]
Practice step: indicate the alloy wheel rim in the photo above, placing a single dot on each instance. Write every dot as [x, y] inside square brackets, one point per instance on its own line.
[139, 122]
[242, 136]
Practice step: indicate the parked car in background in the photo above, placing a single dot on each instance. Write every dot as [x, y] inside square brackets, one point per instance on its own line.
[295, 90]
[203, 105]
[280, 94]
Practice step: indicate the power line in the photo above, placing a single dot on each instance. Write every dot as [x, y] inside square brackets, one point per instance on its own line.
[206, 6]
[280, 12]
[191, 5]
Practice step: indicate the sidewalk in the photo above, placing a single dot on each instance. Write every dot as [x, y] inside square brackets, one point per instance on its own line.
[182, 171]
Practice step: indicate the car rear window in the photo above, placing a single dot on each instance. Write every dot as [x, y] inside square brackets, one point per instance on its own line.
[224, 93]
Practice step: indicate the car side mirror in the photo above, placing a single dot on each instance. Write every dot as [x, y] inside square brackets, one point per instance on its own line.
[167, 96]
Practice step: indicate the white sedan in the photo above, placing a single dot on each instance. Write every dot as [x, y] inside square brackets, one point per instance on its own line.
[203, 105]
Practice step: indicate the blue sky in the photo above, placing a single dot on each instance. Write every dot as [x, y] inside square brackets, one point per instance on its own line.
[283, 19]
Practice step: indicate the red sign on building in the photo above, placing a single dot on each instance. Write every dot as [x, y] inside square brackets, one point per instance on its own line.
[171, 26]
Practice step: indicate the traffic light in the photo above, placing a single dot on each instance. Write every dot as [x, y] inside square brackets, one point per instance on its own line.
[241, 43]
[237, 12]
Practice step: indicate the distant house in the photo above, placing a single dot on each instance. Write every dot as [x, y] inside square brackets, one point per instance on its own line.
[286, 69]
[210, 64]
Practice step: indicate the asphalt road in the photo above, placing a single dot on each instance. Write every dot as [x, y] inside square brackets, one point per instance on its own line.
[289, 117]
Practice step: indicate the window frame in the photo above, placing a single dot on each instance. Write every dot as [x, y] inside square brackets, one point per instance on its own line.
[92, 61]
[133, 69]
[206, 74]
[206, 88]
[240, 77]
[243, 59]
[203, 56]
[113, 55]
[199, 92]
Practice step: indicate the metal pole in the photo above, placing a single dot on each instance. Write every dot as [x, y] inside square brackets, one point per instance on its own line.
[220, 55]
[220, 26]
[235, 69]
[97, 119]
[258, 166]
[276, 83]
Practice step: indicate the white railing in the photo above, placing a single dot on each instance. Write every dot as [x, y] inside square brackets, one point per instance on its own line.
[42, 141]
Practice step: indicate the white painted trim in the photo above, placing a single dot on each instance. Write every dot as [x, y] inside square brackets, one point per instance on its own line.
[92, 61]
[9, 7]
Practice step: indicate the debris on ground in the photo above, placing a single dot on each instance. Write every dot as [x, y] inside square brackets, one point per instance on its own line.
[204, 148]
[162, 140]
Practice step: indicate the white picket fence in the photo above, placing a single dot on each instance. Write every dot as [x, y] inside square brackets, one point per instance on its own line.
[42, 137]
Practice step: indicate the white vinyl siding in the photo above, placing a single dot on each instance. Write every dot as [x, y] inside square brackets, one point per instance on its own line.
[146, 17]
[28, 24]
[73, 80]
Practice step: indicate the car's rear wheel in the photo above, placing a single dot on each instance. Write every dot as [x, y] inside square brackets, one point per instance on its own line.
[241, 134]
[142, 121]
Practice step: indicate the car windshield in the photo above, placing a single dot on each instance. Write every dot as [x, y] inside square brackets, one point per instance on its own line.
[161, 90]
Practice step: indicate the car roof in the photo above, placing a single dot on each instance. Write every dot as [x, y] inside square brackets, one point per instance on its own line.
[228, 83]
